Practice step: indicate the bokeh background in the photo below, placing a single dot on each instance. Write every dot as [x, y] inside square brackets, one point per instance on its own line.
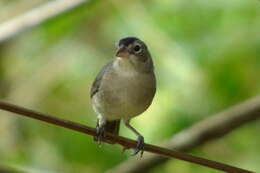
[206, 55]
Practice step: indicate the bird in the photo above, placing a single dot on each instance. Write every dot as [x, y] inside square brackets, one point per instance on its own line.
[124, 89]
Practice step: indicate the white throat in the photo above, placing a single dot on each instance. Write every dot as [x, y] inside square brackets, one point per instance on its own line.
[124, 66]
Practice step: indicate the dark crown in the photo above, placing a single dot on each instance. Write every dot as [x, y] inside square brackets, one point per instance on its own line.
[128, 40]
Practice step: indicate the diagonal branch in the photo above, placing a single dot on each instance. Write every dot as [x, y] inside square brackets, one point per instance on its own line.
[126, 143]
[212, 128]
[4, 169]
[36, 17]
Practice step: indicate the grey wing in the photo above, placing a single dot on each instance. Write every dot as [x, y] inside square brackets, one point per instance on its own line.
[96, 84]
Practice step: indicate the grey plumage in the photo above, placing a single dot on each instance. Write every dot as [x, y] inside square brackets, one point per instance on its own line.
[97, 81]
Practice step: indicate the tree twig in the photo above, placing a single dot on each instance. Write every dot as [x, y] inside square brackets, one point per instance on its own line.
[4, 169]
[36, 17]
[214, 127]
[126, 143]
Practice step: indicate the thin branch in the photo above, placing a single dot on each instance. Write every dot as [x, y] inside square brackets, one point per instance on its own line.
[126, 143]
[36, 17]
[212, 128]
[8, 169]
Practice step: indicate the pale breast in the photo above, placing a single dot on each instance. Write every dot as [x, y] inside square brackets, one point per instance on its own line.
[125, 96]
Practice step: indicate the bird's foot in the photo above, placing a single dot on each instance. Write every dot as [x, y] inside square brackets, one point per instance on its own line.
[140, 146]
[100, 134]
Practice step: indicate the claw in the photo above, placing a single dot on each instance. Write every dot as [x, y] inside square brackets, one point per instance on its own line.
[139, 147]
[100, 134]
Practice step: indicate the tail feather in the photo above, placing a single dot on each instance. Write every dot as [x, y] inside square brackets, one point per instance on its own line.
[111, 127]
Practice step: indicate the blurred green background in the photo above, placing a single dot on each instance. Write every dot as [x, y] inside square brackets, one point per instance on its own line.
[206, 55]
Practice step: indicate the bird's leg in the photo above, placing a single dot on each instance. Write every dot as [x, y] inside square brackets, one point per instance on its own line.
[100, 129]
[140, 139]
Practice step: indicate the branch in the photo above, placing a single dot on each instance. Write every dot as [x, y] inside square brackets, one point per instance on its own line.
[126, 143]
[36, 17]
[8, 169]
[212, 128]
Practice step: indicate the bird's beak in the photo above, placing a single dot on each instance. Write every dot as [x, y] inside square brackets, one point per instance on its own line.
[122, 52]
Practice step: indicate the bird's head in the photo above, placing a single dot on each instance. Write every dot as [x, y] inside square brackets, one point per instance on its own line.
[133, 49]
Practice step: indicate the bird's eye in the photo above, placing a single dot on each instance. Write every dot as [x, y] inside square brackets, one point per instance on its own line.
[137, 48]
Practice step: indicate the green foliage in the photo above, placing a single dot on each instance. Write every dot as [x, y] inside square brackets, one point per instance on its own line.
[207, 58]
